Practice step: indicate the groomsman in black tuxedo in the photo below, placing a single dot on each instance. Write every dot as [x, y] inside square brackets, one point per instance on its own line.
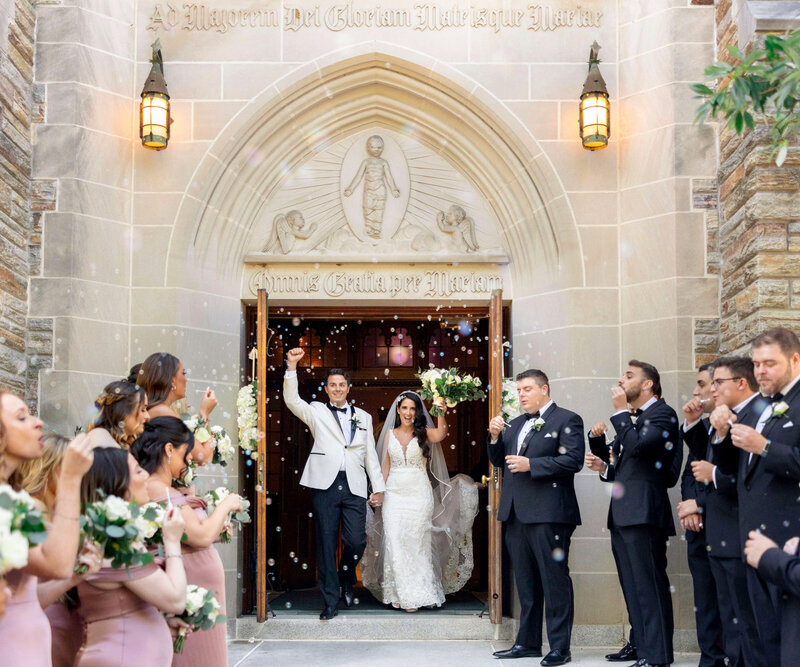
[641, 462]
[540, 451]
[733, 392]
[782, 569]
[692, 512]
[769, 468]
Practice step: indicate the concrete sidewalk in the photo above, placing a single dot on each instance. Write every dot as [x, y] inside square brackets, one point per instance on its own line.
[405, 653]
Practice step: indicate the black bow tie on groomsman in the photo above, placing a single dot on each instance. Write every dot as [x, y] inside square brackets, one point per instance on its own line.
[635, 414]
[531, 415]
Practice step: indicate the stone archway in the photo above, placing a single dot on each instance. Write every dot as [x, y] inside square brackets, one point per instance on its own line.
[384, 86]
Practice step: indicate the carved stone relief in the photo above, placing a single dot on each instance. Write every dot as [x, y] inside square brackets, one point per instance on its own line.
[377, 194]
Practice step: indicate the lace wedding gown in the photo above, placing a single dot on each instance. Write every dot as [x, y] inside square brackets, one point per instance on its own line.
[409, 580]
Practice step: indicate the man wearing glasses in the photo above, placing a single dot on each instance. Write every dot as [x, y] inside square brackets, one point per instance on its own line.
[734, 393]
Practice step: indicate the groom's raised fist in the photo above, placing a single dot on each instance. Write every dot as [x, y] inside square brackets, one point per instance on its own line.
[293, 356]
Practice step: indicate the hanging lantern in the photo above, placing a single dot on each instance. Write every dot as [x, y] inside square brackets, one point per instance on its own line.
[594, 119]
[154, 119]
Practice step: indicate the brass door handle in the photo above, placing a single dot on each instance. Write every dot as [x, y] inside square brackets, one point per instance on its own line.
[485, 479]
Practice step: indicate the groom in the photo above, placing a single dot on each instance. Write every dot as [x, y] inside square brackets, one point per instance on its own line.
[343, 451]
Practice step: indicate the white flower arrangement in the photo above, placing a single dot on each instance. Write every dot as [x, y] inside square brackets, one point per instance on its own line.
[510, 407]
[236, 519]
[116, 508]
[149, 520]
[780, 409]
[187, 477]
[247, 419]
[202, 612]
[449, 385]
[21, 527]
[224, 451]
[538, 423]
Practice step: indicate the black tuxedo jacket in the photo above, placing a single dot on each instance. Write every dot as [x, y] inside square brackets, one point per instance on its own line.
[768, 485]
[783, 570]
[645, 467]
[721, 519]
[691, 489]
[546, 494]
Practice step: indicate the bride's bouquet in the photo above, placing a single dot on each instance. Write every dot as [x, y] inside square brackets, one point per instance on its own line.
[201, 612]
[449, 385]
[510, 407]
[236, 519]
[115, 526]
[21, 527]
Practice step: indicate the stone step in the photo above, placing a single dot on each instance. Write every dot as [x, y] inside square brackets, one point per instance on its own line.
[372, 626]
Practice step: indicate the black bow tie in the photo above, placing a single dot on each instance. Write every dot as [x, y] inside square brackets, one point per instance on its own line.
[777, 397]
[531, 415]
[637, 412]
[335, 409]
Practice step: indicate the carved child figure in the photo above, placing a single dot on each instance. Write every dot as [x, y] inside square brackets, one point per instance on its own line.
[290, 227]
[456, 221]
[376, 174]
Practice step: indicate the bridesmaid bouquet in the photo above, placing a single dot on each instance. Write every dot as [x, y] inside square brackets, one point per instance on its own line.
[224, 451]
[112, 524]
[247, 419]
[148, 523]
[186, 479]
[510, 406]
[237, 519]
[202, 613]
[449, 385]
[21, 527]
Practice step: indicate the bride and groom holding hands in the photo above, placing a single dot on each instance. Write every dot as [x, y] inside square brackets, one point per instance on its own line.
[418, 536]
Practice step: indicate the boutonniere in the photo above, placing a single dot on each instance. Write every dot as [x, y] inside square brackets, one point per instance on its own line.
[538, 423]
[355, 422]
[779, 409]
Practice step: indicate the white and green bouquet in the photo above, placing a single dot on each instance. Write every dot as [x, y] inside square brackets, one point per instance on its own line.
[115, 526]
[224, 451]
[247, 419]
[149, 522]
[448, 384]
[236, 519]
[510, 407]
[201, 612]
[21, 527]
[187, 477]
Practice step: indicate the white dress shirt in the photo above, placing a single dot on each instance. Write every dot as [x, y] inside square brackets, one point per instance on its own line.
[528, 425]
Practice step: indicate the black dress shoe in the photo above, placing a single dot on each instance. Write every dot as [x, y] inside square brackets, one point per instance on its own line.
[328, 613]
[348, 595]
[557, 656]
[644, 663]
[518, 651]
[628, 652]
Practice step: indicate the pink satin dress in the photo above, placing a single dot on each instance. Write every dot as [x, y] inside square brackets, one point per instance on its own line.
[120, 628]
[24, 629]
[66, 627]
[204, 648]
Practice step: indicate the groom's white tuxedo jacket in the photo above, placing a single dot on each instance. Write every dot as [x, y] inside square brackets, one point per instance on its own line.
[325, 458]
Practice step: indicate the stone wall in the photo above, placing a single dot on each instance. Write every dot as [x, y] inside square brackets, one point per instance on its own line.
[16, 101]
[759, 209]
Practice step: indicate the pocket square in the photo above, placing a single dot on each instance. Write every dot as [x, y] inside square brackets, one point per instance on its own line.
[548, 435]
[788, 424]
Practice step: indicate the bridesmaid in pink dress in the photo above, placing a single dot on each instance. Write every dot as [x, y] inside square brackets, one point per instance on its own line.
[162, 450]
[122, 609]
[39, 477]
[24, 629]
[122, 413]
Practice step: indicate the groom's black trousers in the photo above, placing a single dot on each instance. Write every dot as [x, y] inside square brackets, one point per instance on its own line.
[334, 506]
[542, 578]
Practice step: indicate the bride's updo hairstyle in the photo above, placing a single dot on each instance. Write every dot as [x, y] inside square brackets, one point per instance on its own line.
[420, 423]
[116, 402]
[148, 448]
[155, 376]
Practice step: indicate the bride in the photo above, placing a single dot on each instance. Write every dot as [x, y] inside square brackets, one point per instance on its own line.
[419, 544]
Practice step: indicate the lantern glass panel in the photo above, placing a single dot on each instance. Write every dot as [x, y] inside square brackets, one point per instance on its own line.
[155, 120]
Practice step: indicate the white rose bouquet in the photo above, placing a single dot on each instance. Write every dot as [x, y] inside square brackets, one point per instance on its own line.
[149, 521]
[21, 527]
[186, 478]
[224, 451]
[510, 407]
[202, 613]
[115, 526]
[449, 385]
[236, 519]
[248, 419]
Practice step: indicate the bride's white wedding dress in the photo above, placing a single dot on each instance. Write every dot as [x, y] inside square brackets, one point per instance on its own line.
[409, 580]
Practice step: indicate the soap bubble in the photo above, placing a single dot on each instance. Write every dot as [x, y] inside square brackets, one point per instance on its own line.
[617, 490]
[271, 562]
[558, 555]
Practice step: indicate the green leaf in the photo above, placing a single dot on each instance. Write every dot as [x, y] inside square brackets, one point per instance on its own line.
[701, 89]
[115, 532]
